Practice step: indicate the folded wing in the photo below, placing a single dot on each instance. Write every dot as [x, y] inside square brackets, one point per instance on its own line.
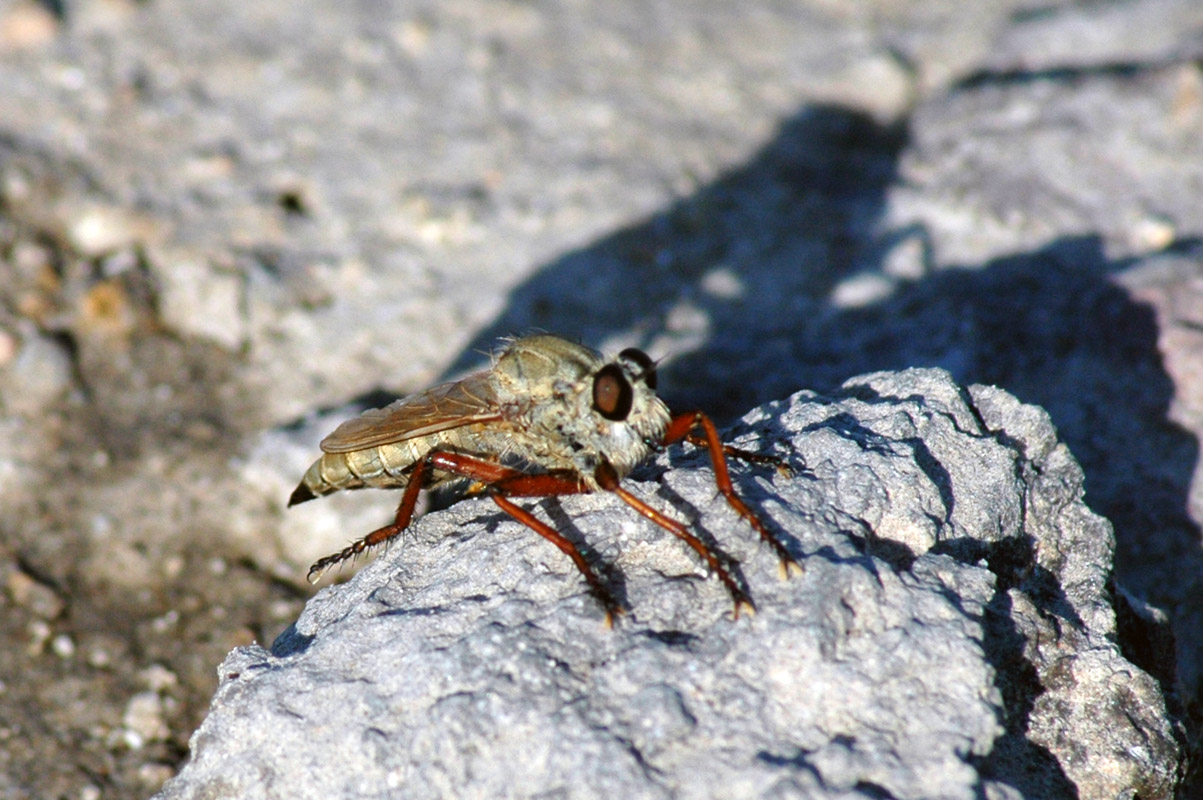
[439, 408]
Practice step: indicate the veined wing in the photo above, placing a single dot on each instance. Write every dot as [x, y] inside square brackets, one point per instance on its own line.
[439, 408]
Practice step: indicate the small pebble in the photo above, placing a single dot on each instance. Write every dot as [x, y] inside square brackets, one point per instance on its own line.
[143, 720]
[864, 289]
[63, 646]
[8, 347]
[26, 26]
[99, 658]
[42, 369]
[38, 598]
[158, 678]
[153, 776]
[39, 634]
[99, 230]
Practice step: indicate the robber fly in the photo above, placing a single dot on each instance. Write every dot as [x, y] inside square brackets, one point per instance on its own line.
[550, 417]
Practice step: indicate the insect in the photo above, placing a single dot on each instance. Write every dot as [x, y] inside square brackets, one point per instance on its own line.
[550, 417]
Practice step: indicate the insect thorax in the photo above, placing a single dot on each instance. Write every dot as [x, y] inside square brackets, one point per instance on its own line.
[548, 391]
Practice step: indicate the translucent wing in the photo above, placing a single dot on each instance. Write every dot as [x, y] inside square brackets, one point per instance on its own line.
[439, 408]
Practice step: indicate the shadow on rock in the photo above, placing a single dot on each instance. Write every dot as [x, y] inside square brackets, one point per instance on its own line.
[750, 286]
[725, 281]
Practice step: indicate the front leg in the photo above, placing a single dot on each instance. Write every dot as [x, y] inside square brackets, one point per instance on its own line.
[607, 478]
[698, 428]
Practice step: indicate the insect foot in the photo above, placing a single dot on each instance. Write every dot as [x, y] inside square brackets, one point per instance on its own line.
[548, 418]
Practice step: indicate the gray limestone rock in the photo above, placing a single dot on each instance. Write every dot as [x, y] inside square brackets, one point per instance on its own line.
[951, 636]
[222, 224]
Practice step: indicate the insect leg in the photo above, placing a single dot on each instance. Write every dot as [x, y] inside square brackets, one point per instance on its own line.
[685, 426]
[497, 476]
[608, 480]
[731, 451]
[405, 513]
[569, 549]
[506, 482]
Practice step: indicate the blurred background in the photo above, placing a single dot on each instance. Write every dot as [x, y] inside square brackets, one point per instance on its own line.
[225, 226]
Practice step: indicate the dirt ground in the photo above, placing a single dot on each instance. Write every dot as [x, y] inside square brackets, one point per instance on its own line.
[109, 652]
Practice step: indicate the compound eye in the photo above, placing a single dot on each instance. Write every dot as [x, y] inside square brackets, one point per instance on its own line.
[647, 367]
[612, 395]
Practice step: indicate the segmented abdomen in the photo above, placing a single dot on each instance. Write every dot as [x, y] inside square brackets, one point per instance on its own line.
[383, 467]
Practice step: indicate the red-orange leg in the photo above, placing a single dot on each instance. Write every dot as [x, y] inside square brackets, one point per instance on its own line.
[731, 451]
[684, 426]
[500, 481]
[569, 549]
[405, 514]
[608, 480]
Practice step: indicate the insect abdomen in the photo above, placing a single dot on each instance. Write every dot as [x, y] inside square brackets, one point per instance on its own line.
[381, 467]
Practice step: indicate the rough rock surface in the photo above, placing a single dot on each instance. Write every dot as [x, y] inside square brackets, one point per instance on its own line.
[952, 635]
[225, 225]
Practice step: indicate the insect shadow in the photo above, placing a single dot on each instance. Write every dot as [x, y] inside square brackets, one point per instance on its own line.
[611, 576]
[683, 506]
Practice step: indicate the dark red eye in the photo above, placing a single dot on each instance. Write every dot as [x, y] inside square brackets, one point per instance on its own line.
[643, 364]
[612, 393]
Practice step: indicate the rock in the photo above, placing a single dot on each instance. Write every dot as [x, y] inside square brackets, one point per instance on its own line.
[200, 300]
[25, 26]
[1003, 166]
[38, 375]
[951, 636]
